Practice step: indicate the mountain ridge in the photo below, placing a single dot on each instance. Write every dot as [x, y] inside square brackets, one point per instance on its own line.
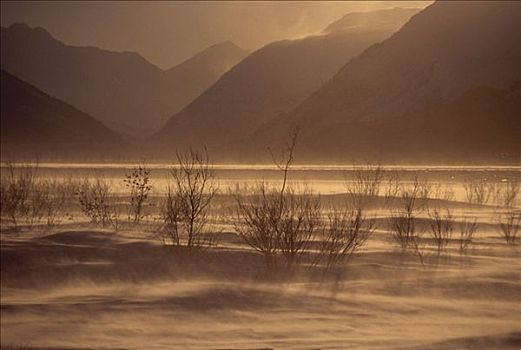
[122, 89]
[441, 53]
[270, 81]
[377, 19]
[35, 123]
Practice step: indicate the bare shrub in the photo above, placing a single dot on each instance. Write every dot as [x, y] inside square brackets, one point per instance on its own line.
[170, 215]
[6, 203]
[279, 220]
[345, 234]
[54, 203]
[38, 200]
[256, 221]
[364, 185]
[509, 193]
[296, 225]
[393, 187]
[58, 194]
[441, 227]
[443, 191]
[138, 182]
[296, 216]
[27, 198]
[424, 188]
[93, 198]
[17, 187]
[411, 195]
[185, 212]
[509, 224]
[478, 191]
[402, 223]
[467, 229]
[403, 228]
[272, 225]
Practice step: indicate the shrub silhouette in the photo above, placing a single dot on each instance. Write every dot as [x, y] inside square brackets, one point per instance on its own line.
[186, 207]
[138, 182]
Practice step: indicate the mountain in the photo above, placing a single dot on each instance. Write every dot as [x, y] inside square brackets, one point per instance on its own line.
[388, 19]
[481, 125]
[196, 74]
[121, 89]
[271, 81]
[36, 124]
[441, 54]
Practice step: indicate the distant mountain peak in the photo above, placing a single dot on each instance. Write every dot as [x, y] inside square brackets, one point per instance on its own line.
[440, 54]
[24, 28]
[389, 19]
[120, 88]
[225, 46]
[267, 83]
[229, 44]
[42, 35]
[215, 51]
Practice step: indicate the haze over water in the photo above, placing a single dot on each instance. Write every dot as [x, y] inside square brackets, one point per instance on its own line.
[320, 179]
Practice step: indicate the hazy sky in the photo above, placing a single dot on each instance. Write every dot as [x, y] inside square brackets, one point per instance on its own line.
[167, 33]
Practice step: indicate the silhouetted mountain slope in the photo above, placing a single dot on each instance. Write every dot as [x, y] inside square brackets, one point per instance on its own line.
[35, 124]
[121, 89]
[389, 19]
[482, 125]
[441, 53]
[196, 74]
[271, 81]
